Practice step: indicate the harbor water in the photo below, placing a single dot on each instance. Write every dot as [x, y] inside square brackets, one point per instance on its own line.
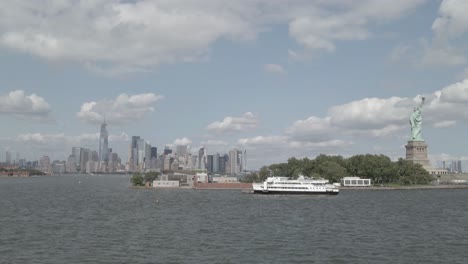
[99, 219]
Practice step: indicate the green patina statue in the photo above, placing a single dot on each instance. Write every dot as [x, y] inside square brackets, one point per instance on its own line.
[416, 122]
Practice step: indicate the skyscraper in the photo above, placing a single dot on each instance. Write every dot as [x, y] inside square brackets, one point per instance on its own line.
[103, 143]
[8, 158]
[76, 152]
[209, 163]
[133, 153]
[85, 156]
[154, 152]
[202, 159]
[216, 163]
[236, 161]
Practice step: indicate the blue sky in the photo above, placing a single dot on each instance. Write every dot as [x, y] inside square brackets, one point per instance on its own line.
[278, 78]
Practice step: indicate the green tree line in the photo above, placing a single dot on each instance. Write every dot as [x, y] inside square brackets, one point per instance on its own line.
[379, 168]
[139, 179]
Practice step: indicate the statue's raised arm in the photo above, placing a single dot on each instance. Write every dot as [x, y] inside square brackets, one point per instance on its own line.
[416, 122]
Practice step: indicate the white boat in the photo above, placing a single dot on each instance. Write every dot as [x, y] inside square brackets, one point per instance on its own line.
[302, 185]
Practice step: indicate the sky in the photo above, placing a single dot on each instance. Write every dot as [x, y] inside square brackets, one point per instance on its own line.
[279, 78]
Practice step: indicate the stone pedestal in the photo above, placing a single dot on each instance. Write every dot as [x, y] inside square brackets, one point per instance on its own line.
[416, 151]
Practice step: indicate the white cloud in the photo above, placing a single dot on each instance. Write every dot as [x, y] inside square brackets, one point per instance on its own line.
[18, 103]
[263, 140]
[122, 109]
[447, 123]
[370, 113]
[214, 142]
[310, 129]
[274, 68]
[316, 32]
[319, 28]
[442, 54]
[118, 36]
[464, 74]
[62, 139]
[379, 117]
[451, 24]
[122, 137]
[335, 143]
[452, 20]
[182, 141]
[455, 93]
[230, 124]
[362, 120]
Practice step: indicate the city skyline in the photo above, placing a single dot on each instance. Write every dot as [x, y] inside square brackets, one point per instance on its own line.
[278, 79]
[142, 157]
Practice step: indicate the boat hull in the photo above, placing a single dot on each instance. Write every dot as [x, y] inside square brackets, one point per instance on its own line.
[295, 193]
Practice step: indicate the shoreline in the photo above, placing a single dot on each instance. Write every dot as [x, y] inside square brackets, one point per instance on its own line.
[411, 187]
[371, 188]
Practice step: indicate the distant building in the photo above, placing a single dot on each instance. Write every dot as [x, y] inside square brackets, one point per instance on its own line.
[181, 150]
[224, 164]
[114, 162]
[154, 152]
[355, 182]
[103, 143]
[202, 158]
[70, 165]
[85, 156]
[235, 161]
[76, 151]
[58, 167]
[215, 163]
[8, 158]
[22, 163]
[92, 166]
[167, 150]
[224, 179]
[209, 163]
[133, 153]
[44, 164]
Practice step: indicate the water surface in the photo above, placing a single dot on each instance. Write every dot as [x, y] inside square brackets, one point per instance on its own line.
[98, 219]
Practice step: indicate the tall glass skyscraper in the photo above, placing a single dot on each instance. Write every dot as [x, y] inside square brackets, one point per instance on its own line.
[103, 143]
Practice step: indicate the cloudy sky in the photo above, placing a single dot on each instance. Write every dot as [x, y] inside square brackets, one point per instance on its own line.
[280, 78]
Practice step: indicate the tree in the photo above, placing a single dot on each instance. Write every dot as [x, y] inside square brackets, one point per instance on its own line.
[151, 176]
[264, 173]
[251, 177]
[412, 173]
[331, 171]
[137, 180]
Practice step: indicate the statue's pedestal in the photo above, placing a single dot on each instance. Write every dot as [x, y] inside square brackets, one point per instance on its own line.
[416, 151]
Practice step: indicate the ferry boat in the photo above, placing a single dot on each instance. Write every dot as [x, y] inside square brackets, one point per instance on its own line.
[302, 185]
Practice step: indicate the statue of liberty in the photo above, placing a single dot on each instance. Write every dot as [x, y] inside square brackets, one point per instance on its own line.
[416, 122]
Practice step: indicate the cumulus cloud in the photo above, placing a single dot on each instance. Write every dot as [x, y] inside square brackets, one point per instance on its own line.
[313, 128]
[230, 124]
[182, 141]
[263, 140]
[63, 139]
[214, 142]
[19, 103]
[451, 24]
[370, 112]
[124, 108]
[380, 117]
[137, 35]
[452, 20]
[320, 32]
[362, 120]
[274, 68]
[447, 123]
[320, 29]
[331, 144]
[286, 142]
